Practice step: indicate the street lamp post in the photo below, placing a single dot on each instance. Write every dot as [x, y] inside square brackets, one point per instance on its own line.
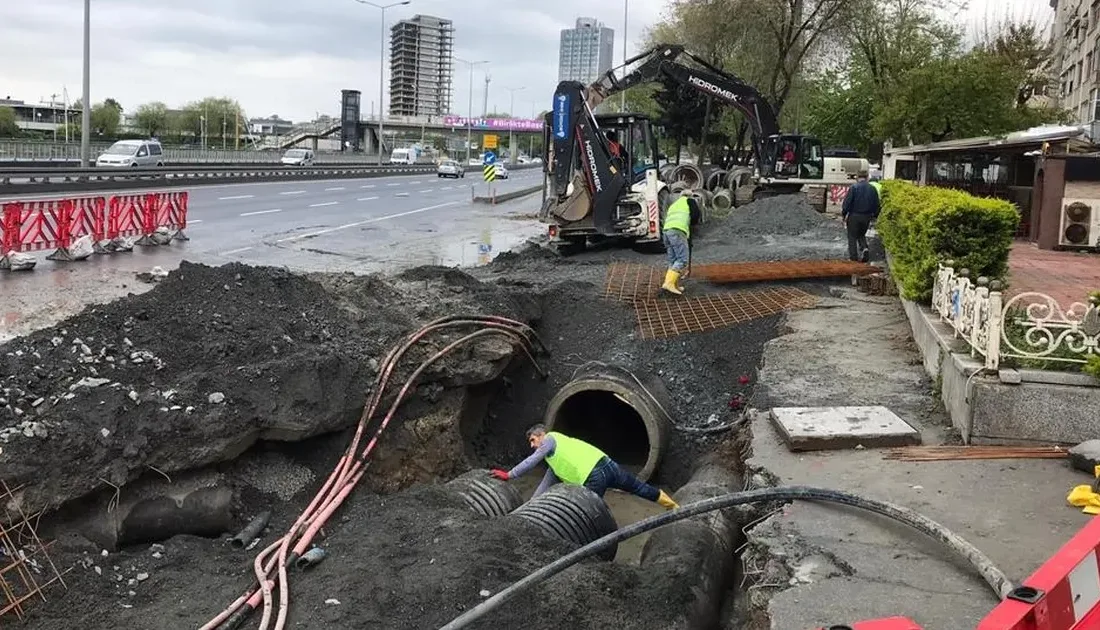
[470, 111]
[86, 114]
[511, 130]
[622, 97]
[382, 66]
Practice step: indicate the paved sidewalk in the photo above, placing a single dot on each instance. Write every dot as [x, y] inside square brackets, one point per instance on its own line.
[1067, 277]
[817, 565]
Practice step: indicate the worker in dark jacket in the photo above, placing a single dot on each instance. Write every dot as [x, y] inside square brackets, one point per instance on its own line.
[577, 462]
[676, 233]
[861, 207]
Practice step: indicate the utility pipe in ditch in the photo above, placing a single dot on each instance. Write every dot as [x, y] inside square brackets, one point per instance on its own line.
[699, 554]
[626, 414]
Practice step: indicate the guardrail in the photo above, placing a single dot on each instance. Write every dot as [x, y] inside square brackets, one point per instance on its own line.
[48, 180]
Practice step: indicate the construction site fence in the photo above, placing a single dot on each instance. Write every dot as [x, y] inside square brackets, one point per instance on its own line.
[56, 224]
[1029, 325]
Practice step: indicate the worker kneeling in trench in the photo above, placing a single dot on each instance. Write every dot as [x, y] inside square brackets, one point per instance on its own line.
[577, 462]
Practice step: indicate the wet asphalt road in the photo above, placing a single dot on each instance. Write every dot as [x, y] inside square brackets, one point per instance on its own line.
[380, 223]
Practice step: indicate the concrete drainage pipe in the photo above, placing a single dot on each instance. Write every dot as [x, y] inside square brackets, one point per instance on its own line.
[625, 414]
[203, 512]
[689, 174]
[722, 200]
[487, 496]
[572, 513]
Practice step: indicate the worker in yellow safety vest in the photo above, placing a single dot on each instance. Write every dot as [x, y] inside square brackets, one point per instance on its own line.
[575, 461]
[676, 234]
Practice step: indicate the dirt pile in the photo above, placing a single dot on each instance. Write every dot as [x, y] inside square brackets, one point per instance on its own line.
[212, 360]
[784, 215]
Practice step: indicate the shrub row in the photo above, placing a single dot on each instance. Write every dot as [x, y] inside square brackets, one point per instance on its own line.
[921, 226]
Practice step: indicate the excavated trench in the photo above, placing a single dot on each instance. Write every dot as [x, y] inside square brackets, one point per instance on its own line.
[428, 484]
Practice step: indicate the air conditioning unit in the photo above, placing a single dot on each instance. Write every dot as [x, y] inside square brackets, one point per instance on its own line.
[1080, 226]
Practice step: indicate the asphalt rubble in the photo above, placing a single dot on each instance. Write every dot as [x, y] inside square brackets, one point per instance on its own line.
[251, 379]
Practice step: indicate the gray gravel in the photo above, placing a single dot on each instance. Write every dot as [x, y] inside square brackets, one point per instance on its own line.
[785, 215]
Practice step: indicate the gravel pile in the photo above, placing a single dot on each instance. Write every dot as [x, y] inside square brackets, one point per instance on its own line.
[784, 215]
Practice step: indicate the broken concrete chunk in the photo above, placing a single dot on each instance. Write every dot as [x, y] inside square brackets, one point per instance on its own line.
[1085, 456]
[216, 398]
[141, 577]
[89, 383]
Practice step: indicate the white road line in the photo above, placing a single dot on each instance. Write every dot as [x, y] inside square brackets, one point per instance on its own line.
[236, 197]
[426, 190]
[248, 214]
[447, 188]
[401, 195]
[366, 198]
[327, 203]
[194, 221]
[416, 182]
[366, 221]
[394, 184]
[235, 251]
[293, 192]
[368, 186]
[336, 188]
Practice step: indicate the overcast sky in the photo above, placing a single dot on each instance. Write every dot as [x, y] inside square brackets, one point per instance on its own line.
[292, 57]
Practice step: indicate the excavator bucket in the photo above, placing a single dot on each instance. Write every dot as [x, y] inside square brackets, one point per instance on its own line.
[576, 206]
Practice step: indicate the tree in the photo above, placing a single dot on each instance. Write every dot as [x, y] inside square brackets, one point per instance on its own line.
[839, 109]
[8, 126]
[106, 117]
[219, 118]
[152, 118]
[1024, 46]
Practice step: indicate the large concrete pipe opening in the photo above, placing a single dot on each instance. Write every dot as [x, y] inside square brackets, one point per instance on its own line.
[624, 413]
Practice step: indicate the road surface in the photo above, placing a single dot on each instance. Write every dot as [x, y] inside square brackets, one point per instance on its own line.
[366, 225]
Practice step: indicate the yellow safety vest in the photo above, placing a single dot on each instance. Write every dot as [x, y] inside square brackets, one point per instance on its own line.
[878, 188]
[678, 216]
[573, 459]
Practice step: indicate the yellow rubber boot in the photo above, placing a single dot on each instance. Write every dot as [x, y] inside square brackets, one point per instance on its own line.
[672, 280]
[666, 501]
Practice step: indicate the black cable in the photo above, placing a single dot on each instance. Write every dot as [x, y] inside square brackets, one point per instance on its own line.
[996, 579]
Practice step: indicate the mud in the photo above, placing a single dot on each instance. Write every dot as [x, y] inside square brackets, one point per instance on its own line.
[293, 357]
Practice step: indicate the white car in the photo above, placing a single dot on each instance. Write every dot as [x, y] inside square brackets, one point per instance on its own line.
[298, 157]
[132, 153]
[450, 168]
[502, 172]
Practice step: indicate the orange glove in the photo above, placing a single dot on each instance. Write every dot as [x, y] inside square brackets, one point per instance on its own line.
[499, 474]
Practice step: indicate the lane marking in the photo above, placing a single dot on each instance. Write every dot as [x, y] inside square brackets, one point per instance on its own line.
[402, 194]
[194, 221]
[366, 198]
[236, 197]
[366, 221]
[416, 182]
[235, 251]
[326, 203]
[248, 214]
[394, 184]
[336, 188]
[368, 186]
[427, 190]
[293, 192]
[447, 188]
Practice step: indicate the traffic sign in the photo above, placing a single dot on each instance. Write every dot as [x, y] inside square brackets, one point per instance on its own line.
[490, 172]
[490, 142]
[489, 158]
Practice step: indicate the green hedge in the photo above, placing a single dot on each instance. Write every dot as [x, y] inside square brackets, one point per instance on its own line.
[923, 225]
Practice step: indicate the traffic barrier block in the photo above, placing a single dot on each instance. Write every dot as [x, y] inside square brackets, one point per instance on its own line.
[126, 216]
[169, 210]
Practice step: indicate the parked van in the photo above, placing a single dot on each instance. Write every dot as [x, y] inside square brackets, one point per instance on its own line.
[403, 156]
[298, 157]
[132, 153]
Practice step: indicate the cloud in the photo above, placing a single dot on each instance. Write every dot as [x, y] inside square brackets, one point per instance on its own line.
[290, 57]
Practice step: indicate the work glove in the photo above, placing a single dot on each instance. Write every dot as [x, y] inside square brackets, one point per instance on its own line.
[499, 474]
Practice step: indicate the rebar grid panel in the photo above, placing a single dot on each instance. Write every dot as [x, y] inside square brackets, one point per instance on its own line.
[670, 317]
[630, 282]
[23, 556]
[723, 273]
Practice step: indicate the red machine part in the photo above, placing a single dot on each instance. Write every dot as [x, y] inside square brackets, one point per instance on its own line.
[1063, 594]
[893, 623]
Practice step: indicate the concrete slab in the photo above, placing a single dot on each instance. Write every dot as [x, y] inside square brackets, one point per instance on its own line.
[814, 565]
[824, 428]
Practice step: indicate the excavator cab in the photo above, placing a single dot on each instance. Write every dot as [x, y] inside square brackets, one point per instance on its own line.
[633, 133]
[791, 156]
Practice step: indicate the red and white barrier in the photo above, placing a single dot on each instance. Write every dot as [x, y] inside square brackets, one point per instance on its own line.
[56, 224]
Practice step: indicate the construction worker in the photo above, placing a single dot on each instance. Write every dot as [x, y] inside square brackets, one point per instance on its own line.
[876, 183]
[575, 461]
[676, 233]
[861, 207]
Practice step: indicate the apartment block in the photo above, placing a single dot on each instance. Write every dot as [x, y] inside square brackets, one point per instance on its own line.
[421, 66]
[586, 51]
[1075, 35]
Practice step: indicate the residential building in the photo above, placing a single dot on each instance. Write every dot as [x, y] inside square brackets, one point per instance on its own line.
[421, 66]
[586, 51]
[1075, 35]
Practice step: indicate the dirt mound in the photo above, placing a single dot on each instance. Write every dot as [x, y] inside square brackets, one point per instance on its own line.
[207, 363]
[784, 215]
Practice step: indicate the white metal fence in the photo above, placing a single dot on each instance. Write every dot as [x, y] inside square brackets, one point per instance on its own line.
[1030, 326]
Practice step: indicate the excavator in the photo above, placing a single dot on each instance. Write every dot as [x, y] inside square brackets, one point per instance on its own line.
[602, 169]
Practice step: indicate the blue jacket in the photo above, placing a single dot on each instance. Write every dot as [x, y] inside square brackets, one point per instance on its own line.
[862, 199]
